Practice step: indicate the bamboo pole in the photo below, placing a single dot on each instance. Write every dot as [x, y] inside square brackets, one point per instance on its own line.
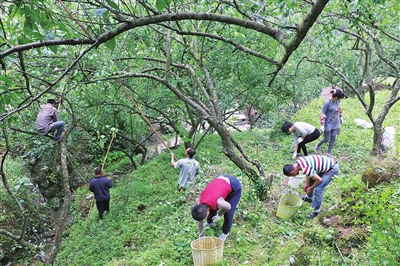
[102, 167]
[145, 118]
[109, 146]
[77, 21]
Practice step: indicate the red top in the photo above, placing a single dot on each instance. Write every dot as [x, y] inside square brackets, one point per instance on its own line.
[215, 189]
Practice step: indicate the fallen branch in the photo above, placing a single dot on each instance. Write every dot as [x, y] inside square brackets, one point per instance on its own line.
[344, 261]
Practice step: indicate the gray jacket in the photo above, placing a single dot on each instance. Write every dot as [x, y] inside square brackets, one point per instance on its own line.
[302, 129]
[46, 117]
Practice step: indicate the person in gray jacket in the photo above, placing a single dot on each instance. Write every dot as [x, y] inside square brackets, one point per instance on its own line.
[189, 169]
[303, 133]
[48, 120]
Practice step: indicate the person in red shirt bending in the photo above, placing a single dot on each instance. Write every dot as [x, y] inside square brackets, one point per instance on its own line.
[220, 197]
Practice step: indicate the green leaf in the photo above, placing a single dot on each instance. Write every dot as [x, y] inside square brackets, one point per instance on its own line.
[27, 25]
[53, 48]
[112, 4]
[110, 44]
[23, 40]
[6, 79]
[161, 4]
[36, 35]
[28, 30]
[6, 98]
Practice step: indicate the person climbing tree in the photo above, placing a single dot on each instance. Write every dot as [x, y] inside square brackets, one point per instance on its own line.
[220, 197]
[189, 169]
[48, 119]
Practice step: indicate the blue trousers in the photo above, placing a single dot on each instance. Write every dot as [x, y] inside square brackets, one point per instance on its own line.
[59, 126]
[329, 135]
[233, 198]
[318, 192]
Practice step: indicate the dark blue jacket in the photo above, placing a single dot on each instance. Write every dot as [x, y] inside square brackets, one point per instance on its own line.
[100, 185]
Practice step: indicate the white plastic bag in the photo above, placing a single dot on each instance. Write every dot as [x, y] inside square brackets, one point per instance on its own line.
[388, 143]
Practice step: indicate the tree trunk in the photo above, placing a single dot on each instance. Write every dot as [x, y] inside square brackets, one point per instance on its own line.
[64, 210]
[377, 139]
[229, 144]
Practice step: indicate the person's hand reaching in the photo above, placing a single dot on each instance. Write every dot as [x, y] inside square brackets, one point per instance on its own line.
[216, 218]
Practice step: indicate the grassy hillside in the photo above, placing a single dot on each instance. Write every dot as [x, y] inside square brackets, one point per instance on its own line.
[150, 224]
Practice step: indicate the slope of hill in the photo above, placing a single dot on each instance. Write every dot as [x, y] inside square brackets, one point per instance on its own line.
[150, 224]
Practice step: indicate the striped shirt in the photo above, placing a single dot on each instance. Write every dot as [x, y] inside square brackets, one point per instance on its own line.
[315, 164]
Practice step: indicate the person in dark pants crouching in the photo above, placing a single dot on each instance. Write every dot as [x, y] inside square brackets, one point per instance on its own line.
[220, 197]
[303, 133]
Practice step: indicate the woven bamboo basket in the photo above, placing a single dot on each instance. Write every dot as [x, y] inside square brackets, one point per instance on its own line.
[207, 250]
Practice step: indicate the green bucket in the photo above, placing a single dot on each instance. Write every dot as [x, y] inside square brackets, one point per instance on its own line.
[288, 206]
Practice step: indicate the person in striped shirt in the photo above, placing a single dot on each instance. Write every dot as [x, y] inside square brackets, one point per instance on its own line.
[319, 171]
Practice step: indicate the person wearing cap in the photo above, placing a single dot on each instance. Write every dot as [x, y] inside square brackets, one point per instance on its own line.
[303, 133]
[220, 198]
[189, 169]
[48, 120]
[330, 120]
[319, 171]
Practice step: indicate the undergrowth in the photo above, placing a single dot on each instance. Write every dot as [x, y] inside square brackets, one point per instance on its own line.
[350, 231]
[150, 224]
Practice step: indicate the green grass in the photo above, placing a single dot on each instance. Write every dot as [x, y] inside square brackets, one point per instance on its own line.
[161, 233]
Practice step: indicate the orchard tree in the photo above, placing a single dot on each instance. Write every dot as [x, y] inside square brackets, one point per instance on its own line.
[170, 43]
[360, 52]
[192, 50]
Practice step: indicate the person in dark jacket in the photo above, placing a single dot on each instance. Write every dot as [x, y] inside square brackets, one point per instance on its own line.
[99, 185]
[48, 120]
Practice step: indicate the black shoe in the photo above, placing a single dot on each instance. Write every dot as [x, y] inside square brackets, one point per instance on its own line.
[312, 215]
[306, 199]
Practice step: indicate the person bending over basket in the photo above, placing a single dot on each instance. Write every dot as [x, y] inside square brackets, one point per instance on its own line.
[319, 171]
[220, 197]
